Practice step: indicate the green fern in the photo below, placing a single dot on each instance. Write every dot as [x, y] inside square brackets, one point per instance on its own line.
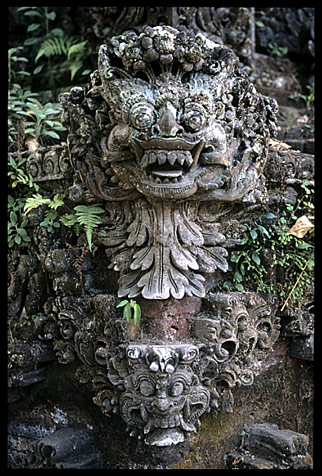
[36, 200]
[76, 56]
[61, 45]
[53, 46]
[87, 216]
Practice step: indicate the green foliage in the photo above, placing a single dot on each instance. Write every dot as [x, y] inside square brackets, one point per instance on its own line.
[289, 257]
[42, 122]
[275, 50]
[308, 98]
[54, 44]
[67, 46]
[17, 174]
[27, 116]
[87, 215]
[70, 220]
[18, 178]
[129, 307]
[17, 231]
[50, 221]
[13, 56]
[260, 24]
[37, 200]
[17, 102]
[29, 320]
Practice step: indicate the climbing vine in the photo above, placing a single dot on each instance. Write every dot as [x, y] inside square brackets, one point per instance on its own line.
[273, 254]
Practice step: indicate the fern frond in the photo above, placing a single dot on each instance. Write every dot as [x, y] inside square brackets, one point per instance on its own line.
[87, 216]
[57, 45]
[34, 202]
[76, 49]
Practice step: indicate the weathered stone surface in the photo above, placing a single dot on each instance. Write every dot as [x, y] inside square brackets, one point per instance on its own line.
[67, 448]
[302, 348]
[168, 319]
[280, 379]
[292, 28]
[288, 166]
[265, 446]
[167, 377]
[229, 26]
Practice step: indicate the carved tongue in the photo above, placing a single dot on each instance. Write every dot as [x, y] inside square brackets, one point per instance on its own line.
[167, 173]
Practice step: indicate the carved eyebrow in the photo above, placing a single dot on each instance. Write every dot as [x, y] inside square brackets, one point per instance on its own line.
[143, 378]
[180, 378]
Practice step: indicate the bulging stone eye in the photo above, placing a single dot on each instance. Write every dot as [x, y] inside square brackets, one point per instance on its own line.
[176, 389]
[194, 120]
[142, 116]
[146, 388]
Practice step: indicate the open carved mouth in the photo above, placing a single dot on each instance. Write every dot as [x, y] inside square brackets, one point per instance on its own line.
[166, 161]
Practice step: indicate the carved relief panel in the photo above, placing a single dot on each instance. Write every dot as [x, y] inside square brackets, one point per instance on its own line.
[168, 125]
[162, 389]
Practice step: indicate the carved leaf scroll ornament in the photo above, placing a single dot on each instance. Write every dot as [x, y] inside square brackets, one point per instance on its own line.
[170, 251]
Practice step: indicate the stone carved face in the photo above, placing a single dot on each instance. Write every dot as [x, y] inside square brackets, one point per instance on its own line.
[175, 109]
[163, 396]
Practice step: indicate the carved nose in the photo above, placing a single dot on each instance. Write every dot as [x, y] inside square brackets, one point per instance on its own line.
[167, 125]
[162, 404]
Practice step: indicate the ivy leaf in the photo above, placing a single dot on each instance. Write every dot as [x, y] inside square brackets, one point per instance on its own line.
[263, 230]
[57, 32]
[51, 15]
[253, 234]
[30, 41]
[310, 263]
[238, 276]
[239, 287]
[302, 245]
[52, 134]
[33, 27]
[269, 216]
[38, 69]
[256, 258]
[13, 218]
[234, 257]
[22, 232]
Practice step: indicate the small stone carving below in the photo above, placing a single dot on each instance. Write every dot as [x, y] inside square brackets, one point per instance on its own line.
[161, 390]
[67, 448]
[163, 396]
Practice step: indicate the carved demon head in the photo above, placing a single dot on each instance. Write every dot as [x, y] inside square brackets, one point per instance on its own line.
[163, 397]
[182, 118]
